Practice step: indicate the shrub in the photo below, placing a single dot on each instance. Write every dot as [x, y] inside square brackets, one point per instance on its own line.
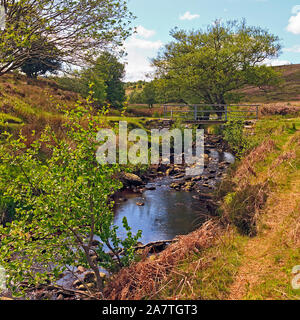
[65, 205]
[233, 133]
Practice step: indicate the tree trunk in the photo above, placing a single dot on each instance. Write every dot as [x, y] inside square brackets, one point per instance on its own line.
[221, 102]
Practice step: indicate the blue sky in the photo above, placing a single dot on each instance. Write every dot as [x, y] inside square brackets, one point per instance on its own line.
[155, 19]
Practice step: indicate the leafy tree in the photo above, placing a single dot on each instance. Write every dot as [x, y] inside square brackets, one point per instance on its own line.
[210, 64]
[136, 97]
[63, 203]
[149, 94]
[78, 29]
[70, 82]
[35, 66]
[107, 73]
[167, 91]
[100, 89]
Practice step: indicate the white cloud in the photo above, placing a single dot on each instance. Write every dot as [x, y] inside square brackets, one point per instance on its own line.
[276, 62]
[144, 33]
[140, 51]
[136, 43]
[189, 16]
[294, 49]
[294, 21]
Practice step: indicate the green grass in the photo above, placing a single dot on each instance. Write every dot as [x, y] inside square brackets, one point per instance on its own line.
[209, 274]
[7, 118]
[212, 273]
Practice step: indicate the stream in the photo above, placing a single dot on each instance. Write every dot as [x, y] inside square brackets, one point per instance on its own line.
[167, 213]
[166, 207]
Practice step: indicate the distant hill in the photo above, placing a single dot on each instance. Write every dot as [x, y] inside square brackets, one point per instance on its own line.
[289, 91]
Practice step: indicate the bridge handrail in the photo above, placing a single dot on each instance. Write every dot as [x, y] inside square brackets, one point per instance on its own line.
[226, 109]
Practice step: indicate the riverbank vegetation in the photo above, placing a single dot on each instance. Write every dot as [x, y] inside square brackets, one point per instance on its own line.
[56, 208]
[254, 256]
[61, 202]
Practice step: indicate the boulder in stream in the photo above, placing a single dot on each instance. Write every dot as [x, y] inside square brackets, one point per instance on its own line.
[131, 179]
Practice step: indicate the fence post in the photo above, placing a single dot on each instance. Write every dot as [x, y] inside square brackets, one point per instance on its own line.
[171, 113]
[195, 113]
[164, 111]
[256, 112]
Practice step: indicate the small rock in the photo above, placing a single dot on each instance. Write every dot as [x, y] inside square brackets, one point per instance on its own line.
[150, 188]
[198, 178]
[81, 269]
[140, 204]
[82, 288]
[169, 172]
[132, 179]
[89, 277]
[77, 283]
[91, 285]
[189, 186]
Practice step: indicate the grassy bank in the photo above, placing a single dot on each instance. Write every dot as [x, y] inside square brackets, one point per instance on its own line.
[252, 258]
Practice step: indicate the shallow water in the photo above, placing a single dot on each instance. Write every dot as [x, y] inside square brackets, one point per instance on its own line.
[166, 213]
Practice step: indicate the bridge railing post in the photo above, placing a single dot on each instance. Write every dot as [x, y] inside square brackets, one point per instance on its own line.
[195, 113]
[256, 112]
[226, 113]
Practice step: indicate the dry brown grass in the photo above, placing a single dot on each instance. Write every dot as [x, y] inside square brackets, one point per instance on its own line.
[279, 109]
[246, 169]
[286, 156]
[42, 94]
[144, 278]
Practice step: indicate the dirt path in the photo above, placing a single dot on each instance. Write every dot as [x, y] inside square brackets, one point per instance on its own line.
[258, 260]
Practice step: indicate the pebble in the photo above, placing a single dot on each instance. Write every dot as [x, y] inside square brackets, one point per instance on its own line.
[81, 269]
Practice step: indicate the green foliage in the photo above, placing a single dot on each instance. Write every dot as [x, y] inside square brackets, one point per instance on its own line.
[149, 94]
[71, 83]
[243, 206]
[106, 73]
[136, 97]
[207, 65]
[62, 204]
[7, 209]
[79, 30]
[38, 66]
[233, 133]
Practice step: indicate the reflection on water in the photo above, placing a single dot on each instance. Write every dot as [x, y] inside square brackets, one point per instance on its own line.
[165, 214]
